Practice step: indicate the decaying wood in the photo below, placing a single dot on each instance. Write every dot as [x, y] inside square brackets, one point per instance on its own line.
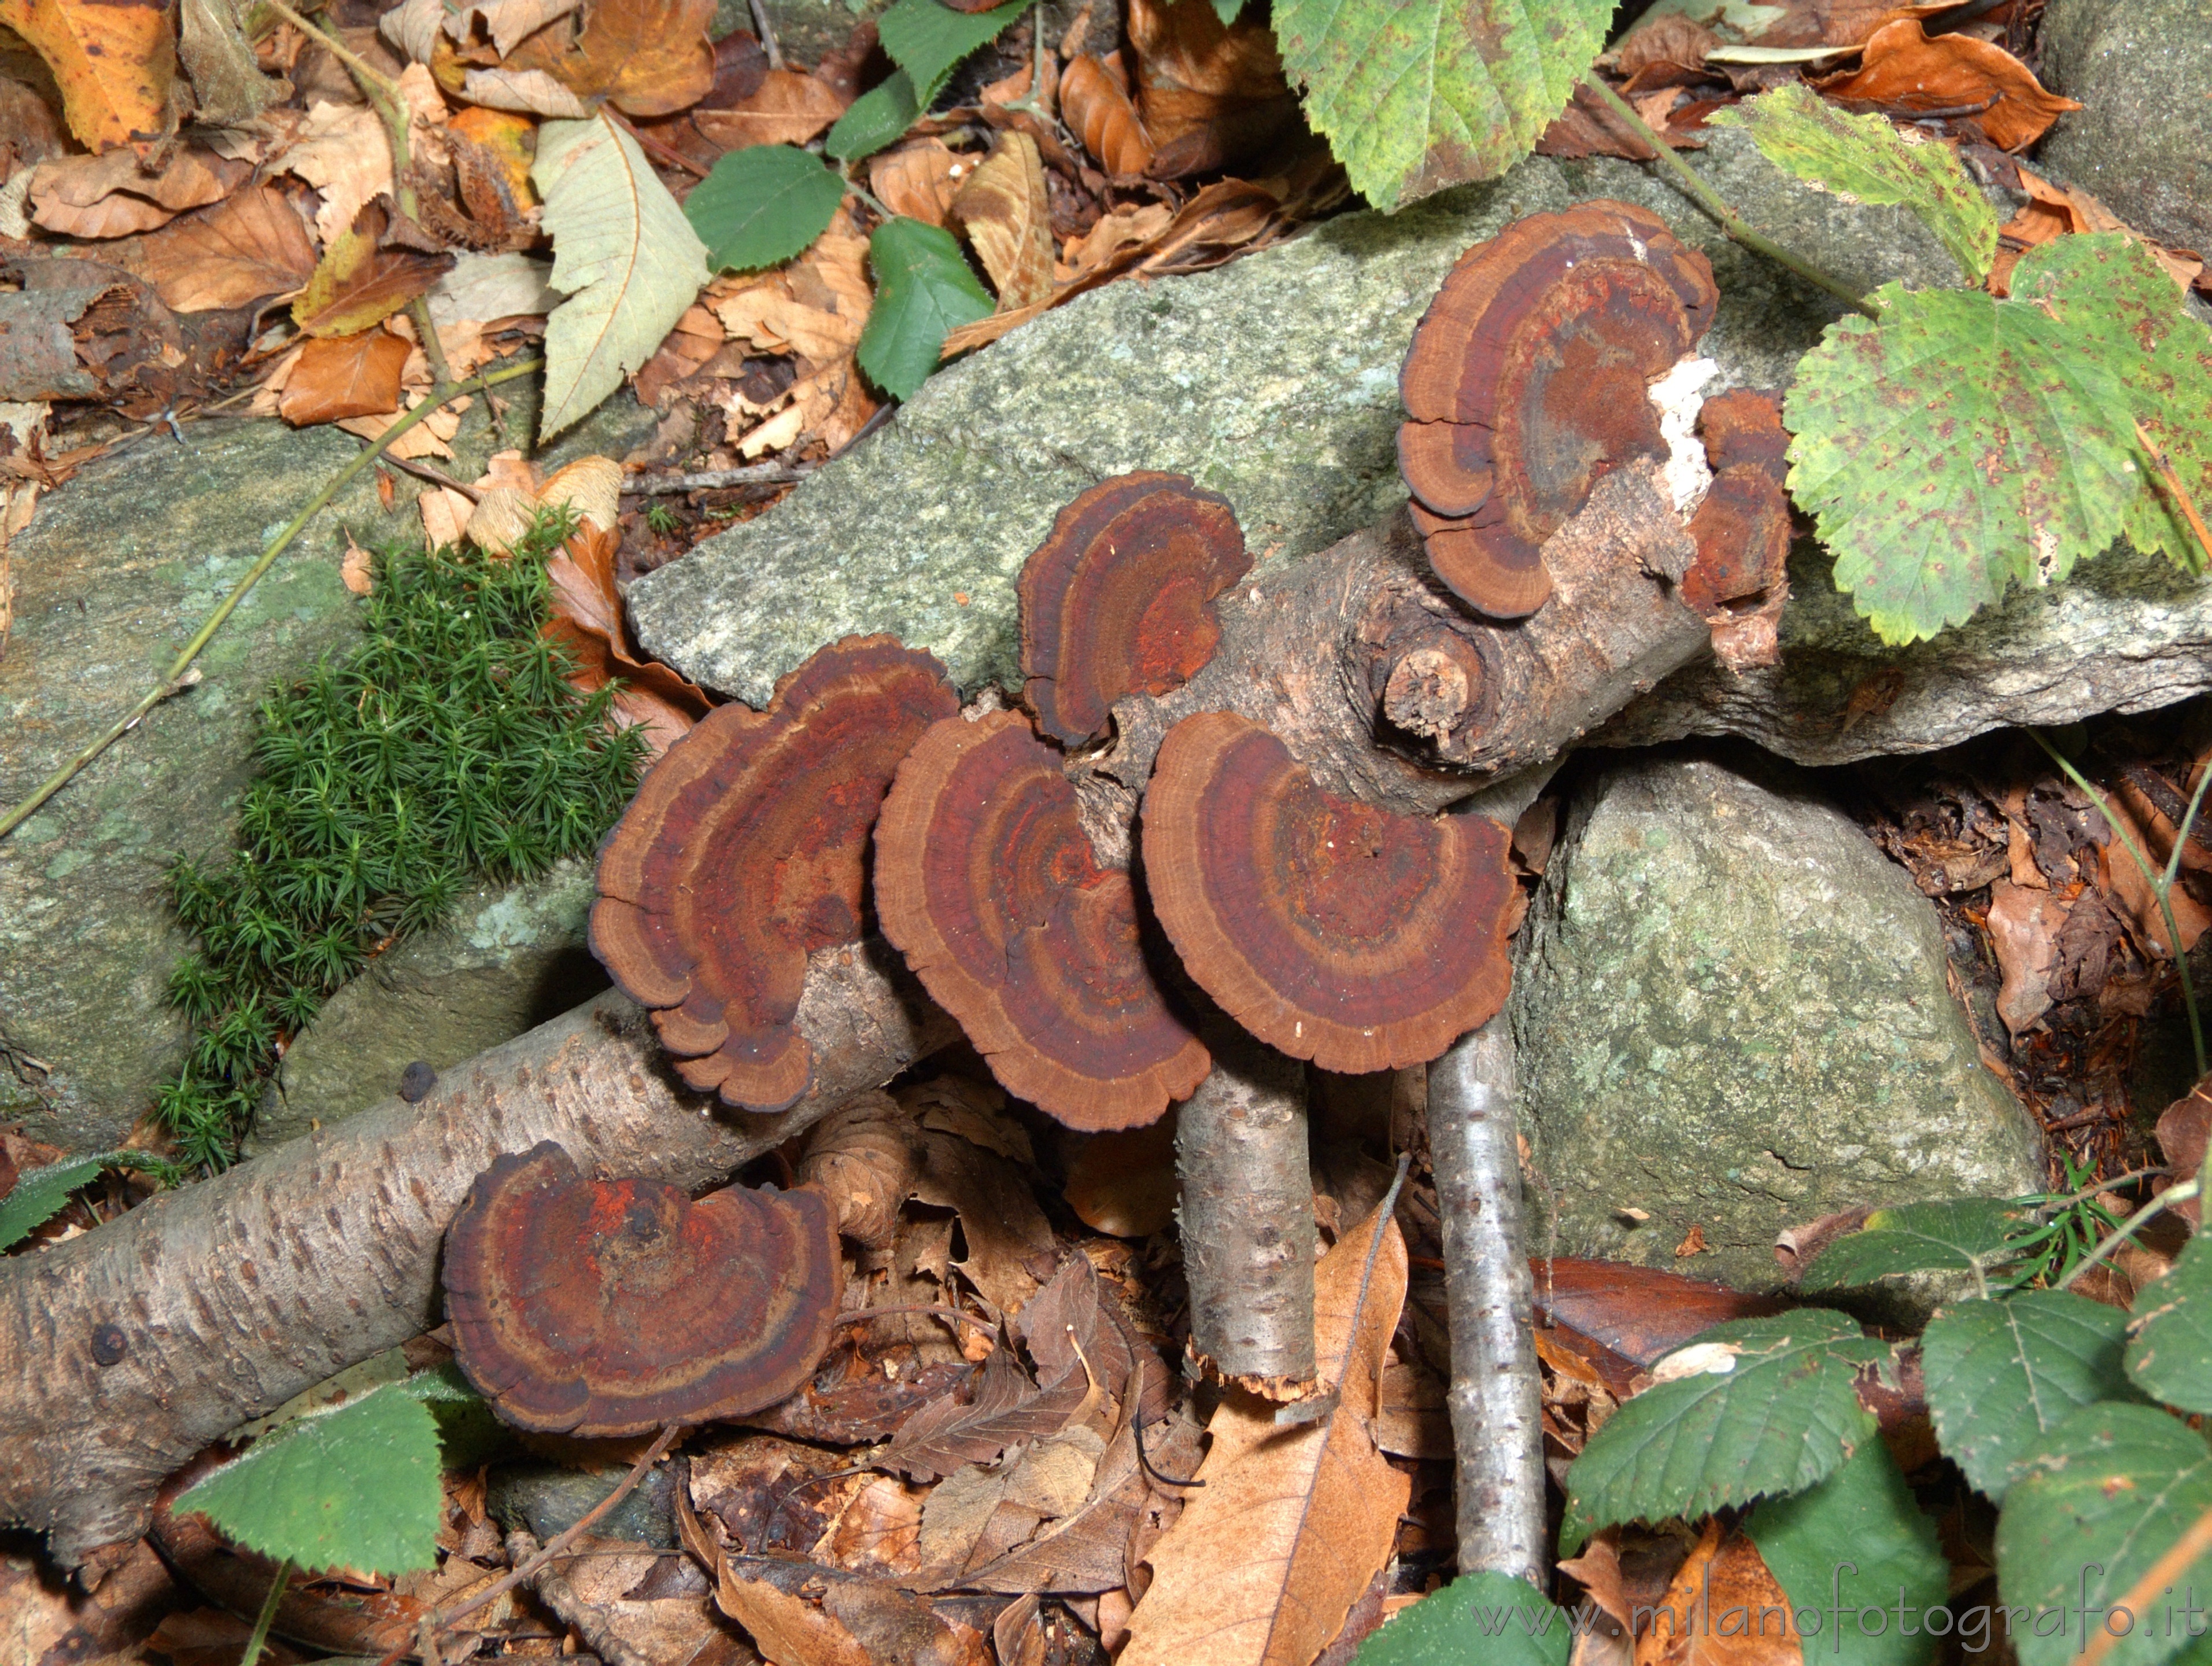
[1246, 1217]
[1496, 1395]
[124, 1351]
[1390, 691]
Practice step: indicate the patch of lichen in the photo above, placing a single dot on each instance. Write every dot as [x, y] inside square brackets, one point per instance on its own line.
[448, 747]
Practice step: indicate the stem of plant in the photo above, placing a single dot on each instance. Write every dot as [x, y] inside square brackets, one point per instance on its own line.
[437, 399]
[2128, 1228]
[2161, 885]
[1731, 223]
[259, 1640]
[2173, 484]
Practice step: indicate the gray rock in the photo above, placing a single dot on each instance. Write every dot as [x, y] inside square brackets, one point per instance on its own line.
[2143, 71]
[805, 30]
[1273, 380]
[545, 1499]
[2126, 632]
[512, 957]
[1733, 1015]
[118, 569]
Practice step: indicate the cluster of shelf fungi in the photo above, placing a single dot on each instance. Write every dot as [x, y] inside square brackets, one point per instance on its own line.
[1236, 821]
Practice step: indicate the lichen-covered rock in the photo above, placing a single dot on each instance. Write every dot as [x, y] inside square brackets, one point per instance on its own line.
[1732, 1016]
[2142, 69]
[511, 958]
[1274, 382]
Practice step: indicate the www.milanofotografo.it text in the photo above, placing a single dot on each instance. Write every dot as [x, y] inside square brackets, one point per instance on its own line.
[2175, 1613]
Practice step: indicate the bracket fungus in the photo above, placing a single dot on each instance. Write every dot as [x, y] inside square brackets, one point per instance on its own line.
[1740, 579]
[1119, 597]
[743, 853]
[1528, 382]
[986, 882]
[610, 1307]
[1330, 929]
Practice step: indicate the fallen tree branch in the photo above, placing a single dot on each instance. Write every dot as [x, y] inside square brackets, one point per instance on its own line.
[124, 1351]
[1496, 1396]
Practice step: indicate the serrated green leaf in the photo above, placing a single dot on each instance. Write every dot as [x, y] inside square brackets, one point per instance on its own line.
[1865, 159]
[927, 41]
[2002, 1375]
[1856, 1542]
[924, 289]
[1964, 444]
[2171, 1351]
[762, 205]
[874, 119]
[623, 253]
[2104, 1496]
[1417, 94]
[1921, 1238]
[1783, 1415]
[356, 1486]
[42, 1194]
[1490, 1617]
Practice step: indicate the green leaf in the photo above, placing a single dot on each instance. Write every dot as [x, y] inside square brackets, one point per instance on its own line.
[927, 41]
[2102, 1499]
[356, 1486]
[1865, 159]
[874, 119]
[924, 289]
[1490, 1617]
[1963, 444]
[762, 205]
[1975, 1233]
[1779, 1416]
[1228, 10]
[40, 1194]
[1417, 94]
[623, 254]
[1862, 1518]
[2171, 1353]
[2001, 1375]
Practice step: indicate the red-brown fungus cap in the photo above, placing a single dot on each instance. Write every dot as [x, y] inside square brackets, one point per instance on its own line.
[1119, 598]
[987, 881]
[1528, 381]
[743, 853]
[1331, 930]
[610, 1307]
[1742, 529]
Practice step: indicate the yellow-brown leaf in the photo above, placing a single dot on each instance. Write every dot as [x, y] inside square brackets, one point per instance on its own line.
[234, 253]
[648, 57]
[1008, 222]
[352, 376]
[786, 108]
[114, 60]
[356, 285]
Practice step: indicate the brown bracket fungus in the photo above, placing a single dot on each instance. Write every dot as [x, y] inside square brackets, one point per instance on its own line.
[610, 1307]
[987, 883]
[743, 853]
[1740, 578]
[1331, 930]
[1528, 382]
[1118, 599]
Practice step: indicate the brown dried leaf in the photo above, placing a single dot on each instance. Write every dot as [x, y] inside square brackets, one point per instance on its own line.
[588, 615]
[591, 1591]
[786, 108]
[1211, 93]
[920, 179]
[788, 1630]
[428, 438]
[1590, 127]
[879, 1529]
[1004, 211]
[1007, 1233]
[344, 376]
[1131, 226]
[1096, 107]
[115, 62]
[1904, 71]
[1004, 1408]
[1124, 1183]
[2024, 926]
[341, 150]
[111, 195]
[648, 57]
[1264, 1564]
[2056, 211]
[862, 1157]
[357, 285]
[1721, 1576]
[236, 254]
[2184, 1128]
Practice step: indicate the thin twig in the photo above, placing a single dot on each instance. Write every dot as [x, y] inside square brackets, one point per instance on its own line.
[715, 480]
[1731, 223]
[767, 32]
[362, 70]
[422, 470]
[436, 400]
[2128, 1228]
[655, 147]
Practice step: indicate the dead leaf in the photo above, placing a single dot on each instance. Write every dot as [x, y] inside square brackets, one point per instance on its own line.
[787, 1630]
[1904, 71]
[115, 62]
[111, 195]
[239, 251]
[2131, 891]
[587, 617]
[1003, 1407]
[1125, 1183]
[1693, 1243]
[1004, 211]
[1130, 226]
[356, 571]
[344, 376]
[539, 92]
[1664, 38]
[2024, 926]
[343, 151]
[878, 1530]
[920, 179]
[1723, 1609]
[593, 1590]
[444, 515]
[509, 139]
[816, 306]
[2056, 210]
[426, 438]
[1264, 1564]
[507, 21]
[647, 58]
[1211, 93]
[2184, 1128]
[786, 108]
[1095, 103]
[356, 285]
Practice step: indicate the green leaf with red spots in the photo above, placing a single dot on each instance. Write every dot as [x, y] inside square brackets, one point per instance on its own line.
[1961, 444]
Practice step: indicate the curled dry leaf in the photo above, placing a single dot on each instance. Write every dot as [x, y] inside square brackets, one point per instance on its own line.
[1210, 93]
[428, 438]
[1096, 105]
[1904, 71]
[816, 306]
[112, 196]
[786, 108]
[1005, 213]
[344, 376]
[588, 615]
[2056, 211]
[115, 62]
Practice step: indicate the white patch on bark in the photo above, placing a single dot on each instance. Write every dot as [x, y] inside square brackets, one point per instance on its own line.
[1679, 396]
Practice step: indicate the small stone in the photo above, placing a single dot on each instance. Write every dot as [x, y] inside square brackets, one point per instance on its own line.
[416, 1081]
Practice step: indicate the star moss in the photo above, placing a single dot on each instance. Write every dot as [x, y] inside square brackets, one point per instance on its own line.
[447, 748]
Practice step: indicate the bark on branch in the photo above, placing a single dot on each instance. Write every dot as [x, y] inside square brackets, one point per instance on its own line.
[124, 1351]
